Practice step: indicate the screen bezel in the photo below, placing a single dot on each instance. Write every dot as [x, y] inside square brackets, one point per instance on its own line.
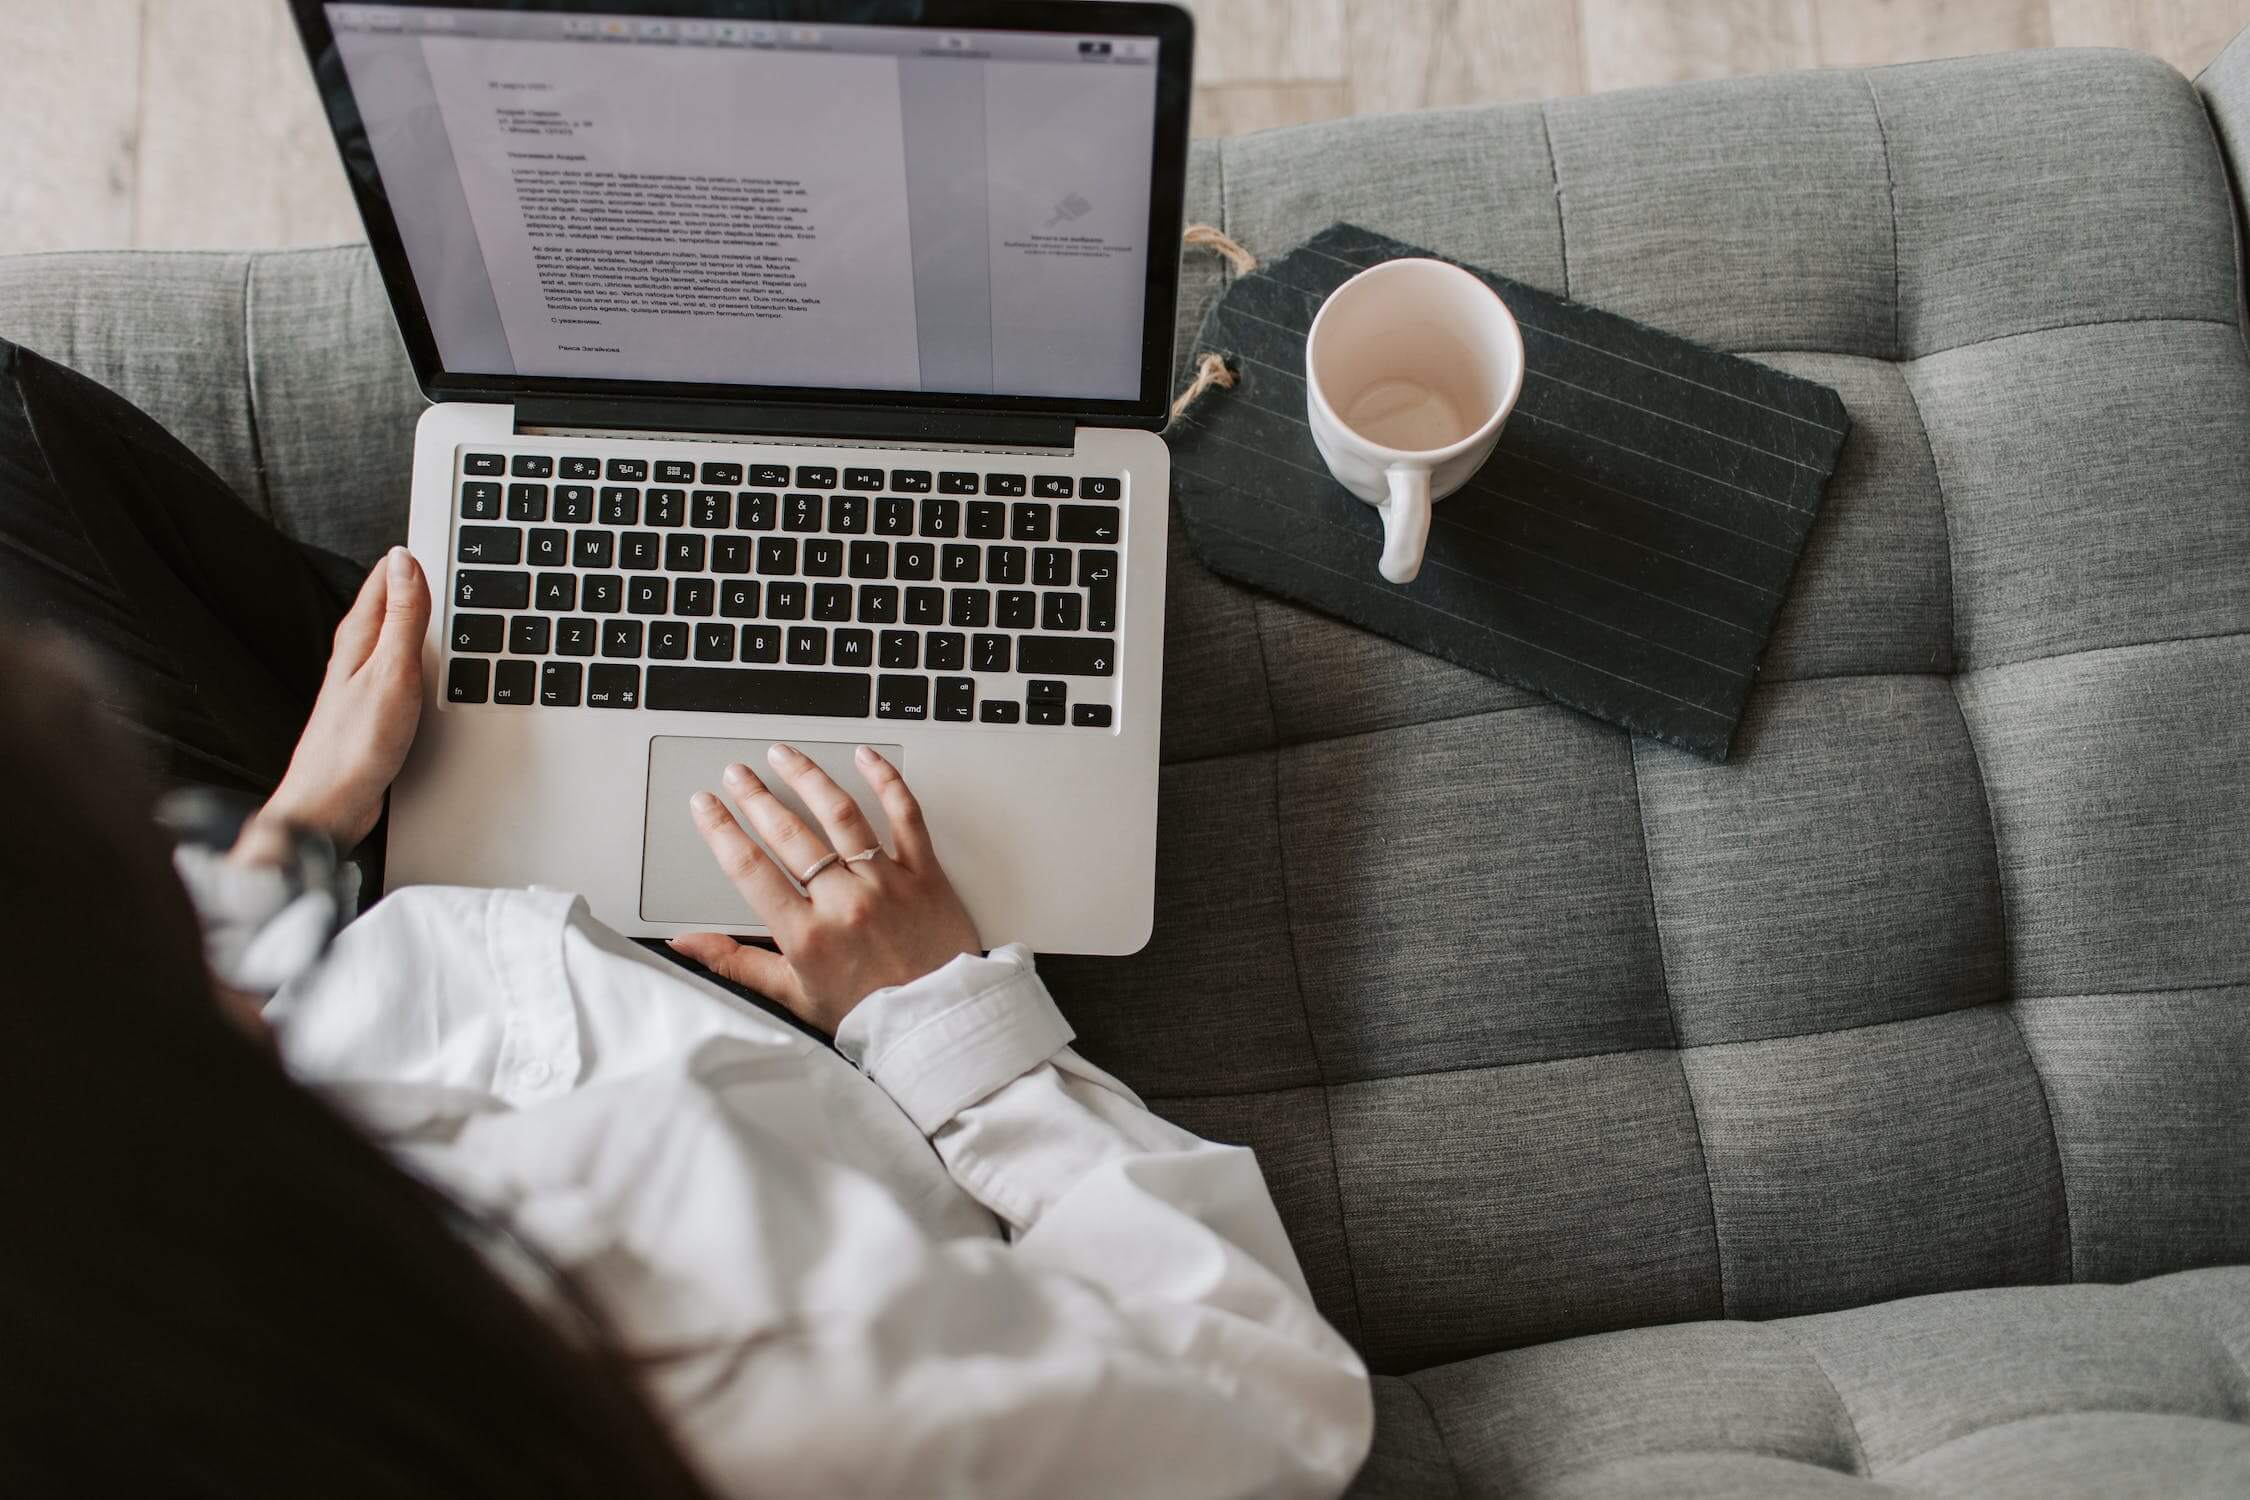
[1167, 24]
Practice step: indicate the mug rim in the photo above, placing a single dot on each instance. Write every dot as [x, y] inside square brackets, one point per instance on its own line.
[1430, 456]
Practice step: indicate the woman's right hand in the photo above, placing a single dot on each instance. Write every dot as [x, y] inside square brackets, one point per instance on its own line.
[857, 926]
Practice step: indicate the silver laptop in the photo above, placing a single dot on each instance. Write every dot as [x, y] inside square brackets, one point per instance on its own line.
[794, 378]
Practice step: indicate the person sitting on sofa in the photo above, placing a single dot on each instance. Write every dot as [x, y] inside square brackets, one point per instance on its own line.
[555, 1216]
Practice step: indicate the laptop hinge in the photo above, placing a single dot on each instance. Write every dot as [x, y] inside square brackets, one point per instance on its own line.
[863, 424]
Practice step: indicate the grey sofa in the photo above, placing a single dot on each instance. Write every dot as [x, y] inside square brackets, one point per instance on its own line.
[1869, 1115]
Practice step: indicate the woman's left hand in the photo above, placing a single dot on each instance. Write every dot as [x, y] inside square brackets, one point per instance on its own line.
[369, 707]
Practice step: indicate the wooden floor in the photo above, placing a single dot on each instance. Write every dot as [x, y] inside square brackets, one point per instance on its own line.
[191, 123]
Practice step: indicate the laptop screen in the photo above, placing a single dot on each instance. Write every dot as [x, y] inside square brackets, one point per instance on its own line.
[654, 198]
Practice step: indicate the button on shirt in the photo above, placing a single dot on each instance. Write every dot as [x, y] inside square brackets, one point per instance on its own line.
[973, 1264]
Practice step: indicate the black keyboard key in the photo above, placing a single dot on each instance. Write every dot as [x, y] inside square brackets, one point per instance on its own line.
[943, 651]
[515, 682]
[667, 507]
[722, 473]
[581, 468]
[730, 554]
[954, 482]
[668, 640]
[488, 544]
[532, 466]
[902, 697]
[855, 648]
[1051, 486]
[972, 609]
[847, 515]
[912, 481]
[956, 700]
[1059, 612]
[738, 599]
[988, 520]
[941, 517]
[777, 554]
[824, 557]
[1000, 711]
[693, 596]
[550, 548]
[621, 638]
[481, 463]
[714, 643]
[621, 506]
[757, 510]
[683, 553]
[628, 470]
[1090, 715]
[1044, 713]
[1097, 565]
[808, 646]
[863, 479]
[925, 606]
[574, 504]
[476, 588]
[530, 635]
[776, 474]
[1005, 564]
[871, 560]
[1067, 655]
[761, 643]
[1087, 523]
[639, 549]
[914, 562]
[711, 510]
[989, 653]
[1019, 609]
[648, 596]
[1004, 484]
[479, 632]
[604, 594]
[1050, 568]
[801, 512]
[1099, 489]
[674, 471]
[902, 650]
[878, 603]
[592, 549]
[785, 601]
[1097, 572]
[959, 563]
[468, 680]
[1046, 692]
[894, 516]
[480, 501]
[1034, 521]
[559, 683]
[527, 502]
[832, 601]
[739, 690]
[576, 637]
[815, 477]
[609, 686]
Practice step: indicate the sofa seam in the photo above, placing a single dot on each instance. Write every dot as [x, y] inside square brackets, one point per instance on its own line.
[1672, 1017]
[1860, 1465]
[1554, 174]
[1890, 180]
[250, 385]
[1445, 1445]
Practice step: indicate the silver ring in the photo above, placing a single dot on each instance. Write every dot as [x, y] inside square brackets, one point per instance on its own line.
[863, 856]
[817, 866]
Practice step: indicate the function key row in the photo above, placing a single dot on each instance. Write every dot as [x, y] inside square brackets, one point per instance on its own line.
[782, 476]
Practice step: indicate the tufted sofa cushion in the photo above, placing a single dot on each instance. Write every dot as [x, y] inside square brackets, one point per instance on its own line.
[1940, 990]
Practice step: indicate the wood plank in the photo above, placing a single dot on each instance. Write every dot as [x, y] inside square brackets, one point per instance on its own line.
[1871, 33]
[1239, 108]
[1420, 54]
[69, 113]
[234, 151]
[1269, 41]
[1631, 43]
[2185, 33]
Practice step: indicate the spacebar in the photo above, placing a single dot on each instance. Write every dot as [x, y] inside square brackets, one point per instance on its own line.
[751, 690]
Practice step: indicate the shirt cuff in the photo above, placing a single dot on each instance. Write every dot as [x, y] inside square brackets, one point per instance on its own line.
[954, 1036]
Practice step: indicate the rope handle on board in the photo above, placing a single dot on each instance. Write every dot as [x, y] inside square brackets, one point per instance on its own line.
[1212, 370]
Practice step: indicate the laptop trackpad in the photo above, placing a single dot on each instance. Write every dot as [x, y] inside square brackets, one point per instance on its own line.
[680, 882]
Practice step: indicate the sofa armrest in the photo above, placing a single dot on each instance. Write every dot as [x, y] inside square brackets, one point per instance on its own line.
[2225, 87]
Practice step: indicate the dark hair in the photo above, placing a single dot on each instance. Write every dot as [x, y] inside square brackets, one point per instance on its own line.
[210, 1283]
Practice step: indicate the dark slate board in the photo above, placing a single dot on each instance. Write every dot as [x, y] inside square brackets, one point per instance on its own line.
[1624, 551]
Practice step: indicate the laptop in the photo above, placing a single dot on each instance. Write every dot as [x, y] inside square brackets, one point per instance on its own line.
[796, 373]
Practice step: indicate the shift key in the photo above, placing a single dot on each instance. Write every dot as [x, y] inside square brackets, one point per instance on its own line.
[1066, 656]
[481, 588]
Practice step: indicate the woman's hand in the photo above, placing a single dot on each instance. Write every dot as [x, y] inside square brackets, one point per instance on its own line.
[367, 711]
[857, 927]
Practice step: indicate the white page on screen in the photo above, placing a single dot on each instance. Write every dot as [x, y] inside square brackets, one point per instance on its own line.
[643, 215]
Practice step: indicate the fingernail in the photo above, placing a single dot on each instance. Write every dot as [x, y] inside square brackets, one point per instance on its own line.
[735, 775]
[784, 755]
[865, 755]
[402, 566]
[703, 802]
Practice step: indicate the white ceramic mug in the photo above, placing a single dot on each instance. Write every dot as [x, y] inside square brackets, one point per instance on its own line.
[1411, 367]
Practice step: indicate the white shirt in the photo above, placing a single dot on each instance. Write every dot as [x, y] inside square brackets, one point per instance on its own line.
[974, 1265]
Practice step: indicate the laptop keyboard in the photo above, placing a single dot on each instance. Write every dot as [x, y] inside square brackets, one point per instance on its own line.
[982, 594]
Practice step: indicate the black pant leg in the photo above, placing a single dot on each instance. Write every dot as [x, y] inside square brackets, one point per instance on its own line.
[213, 626]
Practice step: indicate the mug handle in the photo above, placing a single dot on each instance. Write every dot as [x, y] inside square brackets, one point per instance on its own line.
[1406, 521]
